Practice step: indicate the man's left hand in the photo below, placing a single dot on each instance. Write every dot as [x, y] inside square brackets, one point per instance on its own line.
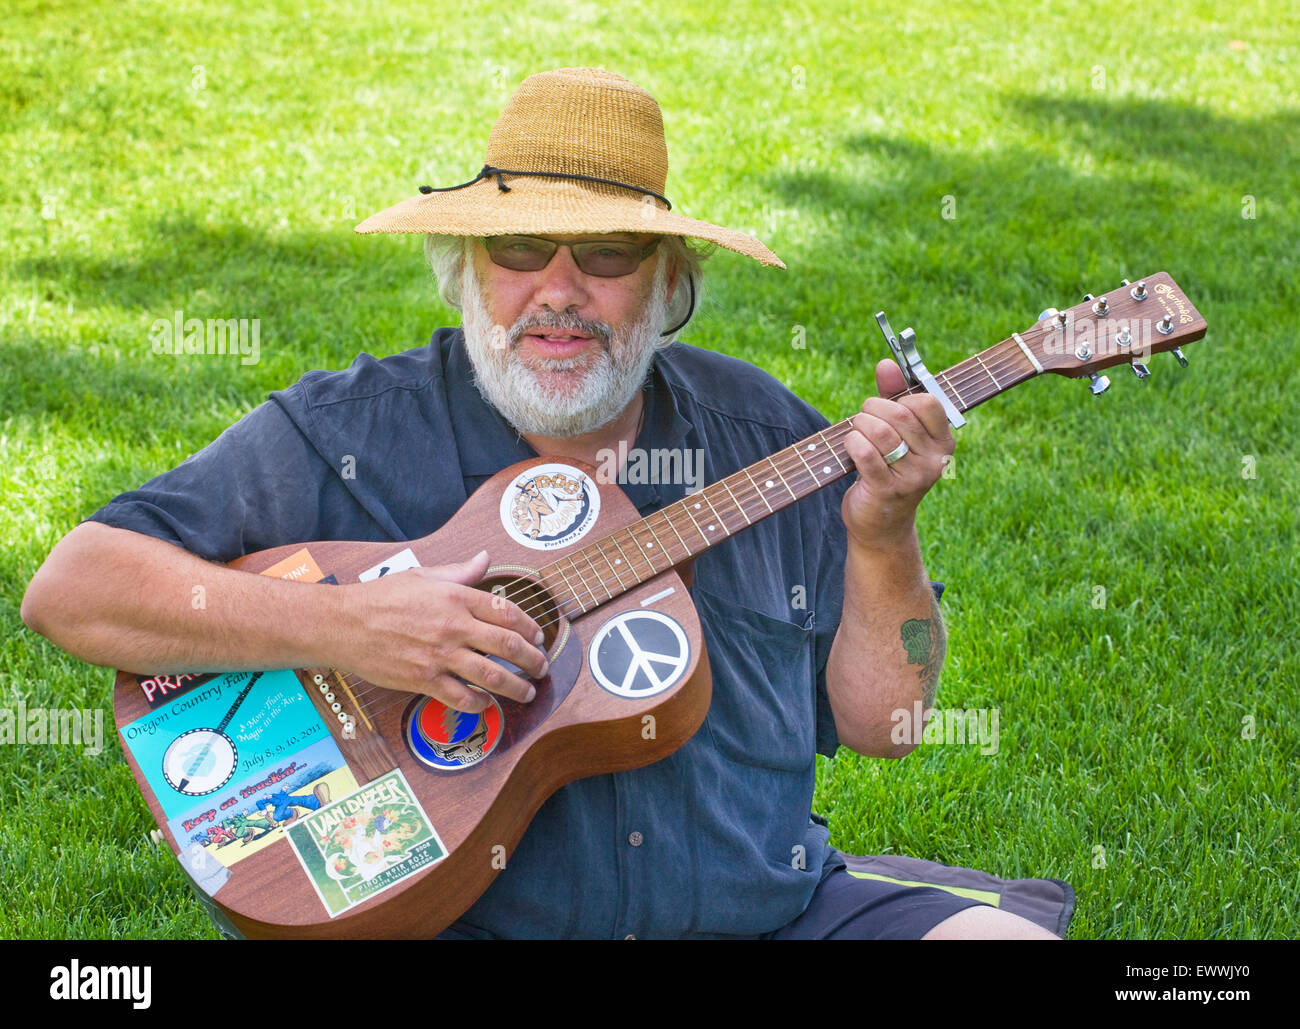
[880, 508]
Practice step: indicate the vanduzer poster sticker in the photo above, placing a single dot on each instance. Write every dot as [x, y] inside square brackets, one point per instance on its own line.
[366, 843]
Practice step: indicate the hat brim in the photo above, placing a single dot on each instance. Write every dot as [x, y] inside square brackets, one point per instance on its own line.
[551, 207]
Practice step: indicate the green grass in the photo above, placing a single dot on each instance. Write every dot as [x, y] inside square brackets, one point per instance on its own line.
[213, 158]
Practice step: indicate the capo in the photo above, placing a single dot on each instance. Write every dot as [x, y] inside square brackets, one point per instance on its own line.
[914, 371]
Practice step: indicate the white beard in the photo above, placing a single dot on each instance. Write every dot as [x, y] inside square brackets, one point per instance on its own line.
[541, 402]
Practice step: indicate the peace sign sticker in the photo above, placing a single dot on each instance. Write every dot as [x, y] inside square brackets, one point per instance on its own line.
[639, 654]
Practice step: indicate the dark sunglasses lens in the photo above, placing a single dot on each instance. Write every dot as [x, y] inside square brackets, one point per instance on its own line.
[520, 253]
[608, 260]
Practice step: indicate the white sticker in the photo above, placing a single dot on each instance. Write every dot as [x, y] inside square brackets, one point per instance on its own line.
[399, 562]
[638, 654]
[550, 506]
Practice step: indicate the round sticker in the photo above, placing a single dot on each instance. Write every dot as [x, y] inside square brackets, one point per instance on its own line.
[638, 654]
[550, 506]
[449, 740]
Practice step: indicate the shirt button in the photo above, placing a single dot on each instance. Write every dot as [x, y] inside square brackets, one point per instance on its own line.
[635, 838]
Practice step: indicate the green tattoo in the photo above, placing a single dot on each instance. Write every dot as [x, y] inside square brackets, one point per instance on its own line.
[925, 641]
[917, 640]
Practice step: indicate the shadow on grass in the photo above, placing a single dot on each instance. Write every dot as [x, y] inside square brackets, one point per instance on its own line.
[320, 294]
[1008, 233]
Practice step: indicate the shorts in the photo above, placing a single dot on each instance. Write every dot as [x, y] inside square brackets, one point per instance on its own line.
[844, 907]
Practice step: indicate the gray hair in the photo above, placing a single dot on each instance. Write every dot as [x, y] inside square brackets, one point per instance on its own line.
[446, 257]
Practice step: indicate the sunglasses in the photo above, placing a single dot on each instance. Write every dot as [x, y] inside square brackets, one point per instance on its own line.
[606, 259]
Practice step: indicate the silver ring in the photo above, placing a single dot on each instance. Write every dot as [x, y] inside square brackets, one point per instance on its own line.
[898, 453]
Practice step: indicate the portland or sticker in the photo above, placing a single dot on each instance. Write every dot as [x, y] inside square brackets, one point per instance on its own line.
[550, 506]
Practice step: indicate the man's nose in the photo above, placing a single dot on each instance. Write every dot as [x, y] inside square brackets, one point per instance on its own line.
[561, 284]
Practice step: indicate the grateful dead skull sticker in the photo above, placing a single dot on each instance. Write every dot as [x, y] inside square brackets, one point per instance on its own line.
[448, 740]
[549, 506]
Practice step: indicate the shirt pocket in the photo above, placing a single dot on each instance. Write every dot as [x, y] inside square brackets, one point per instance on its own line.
[763, 711]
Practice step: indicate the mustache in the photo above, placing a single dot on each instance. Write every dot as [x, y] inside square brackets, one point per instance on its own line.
[559, 320]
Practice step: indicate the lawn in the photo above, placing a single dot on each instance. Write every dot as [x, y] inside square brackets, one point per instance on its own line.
[1122, 571]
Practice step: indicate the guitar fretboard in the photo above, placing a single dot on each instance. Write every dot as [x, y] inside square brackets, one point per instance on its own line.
[600, 571]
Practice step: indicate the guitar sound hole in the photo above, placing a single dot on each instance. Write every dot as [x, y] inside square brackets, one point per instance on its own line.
[532, 597]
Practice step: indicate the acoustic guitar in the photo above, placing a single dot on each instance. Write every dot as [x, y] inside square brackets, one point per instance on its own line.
[309, 803]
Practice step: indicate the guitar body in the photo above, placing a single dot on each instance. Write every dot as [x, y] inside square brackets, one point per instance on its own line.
[310, 754]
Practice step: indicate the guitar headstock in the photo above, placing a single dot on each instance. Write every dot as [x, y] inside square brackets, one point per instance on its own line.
[1125, 326]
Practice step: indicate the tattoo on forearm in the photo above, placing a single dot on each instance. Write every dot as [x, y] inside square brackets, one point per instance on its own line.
[925, 641]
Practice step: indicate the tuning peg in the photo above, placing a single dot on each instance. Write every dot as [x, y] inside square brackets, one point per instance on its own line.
[1165, 325]
[1051, 312]
[1100, 384]
[1178, 353]
[1101, 307]
[1140, 370]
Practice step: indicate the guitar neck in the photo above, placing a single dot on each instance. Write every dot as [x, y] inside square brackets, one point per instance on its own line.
[1123, 326]
[600, 571]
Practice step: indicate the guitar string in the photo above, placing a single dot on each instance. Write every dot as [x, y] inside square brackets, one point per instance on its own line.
[746, 491]
[955, 380]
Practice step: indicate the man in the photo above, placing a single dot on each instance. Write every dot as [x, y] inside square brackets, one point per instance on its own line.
[569, 264]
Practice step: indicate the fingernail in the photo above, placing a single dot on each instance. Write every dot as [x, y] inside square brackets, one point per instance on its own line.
[537, 640]
[546, 667]
[531, 694]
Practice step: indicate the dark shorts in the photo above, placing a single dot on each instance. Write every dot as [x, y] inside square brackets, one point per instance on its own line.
[845, 907]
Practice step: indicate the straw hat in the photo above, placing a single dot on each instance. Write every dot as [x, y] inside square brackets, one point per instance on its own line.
[578, 150]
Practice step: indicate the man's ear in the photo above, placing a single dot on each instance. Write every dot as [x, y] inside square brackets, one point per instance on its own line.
[674, 273]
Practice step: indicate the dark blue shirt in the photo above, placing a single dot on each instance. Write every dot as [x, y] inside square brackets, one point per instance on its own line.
[715, 839]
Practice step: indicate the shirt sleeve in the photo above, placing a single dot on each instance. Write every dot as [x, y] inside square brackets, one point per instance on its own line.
[260, 484]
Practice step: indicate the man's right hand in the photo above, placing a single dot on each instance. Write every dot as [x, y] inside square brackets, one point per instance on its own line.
[423, 630]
